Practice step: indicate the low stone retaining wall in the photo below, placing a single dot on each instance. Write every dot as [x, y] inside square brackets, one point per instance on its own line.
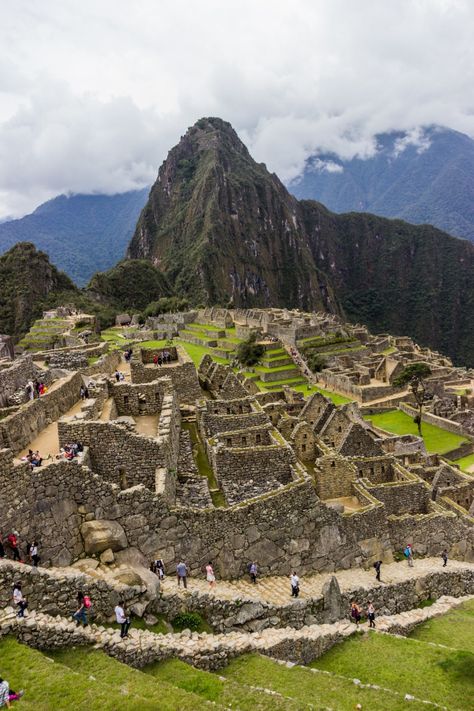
[55, 591]
[254, 616]
[441, 422]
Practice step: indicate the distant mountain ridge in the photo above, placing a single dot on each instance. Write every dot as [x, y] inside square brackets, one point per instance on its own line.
[82, 234]
[223, 230]
[425, 178]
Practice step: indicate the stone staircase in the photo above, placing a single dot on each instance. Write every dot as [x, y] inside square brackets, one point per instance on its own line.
[202, 650]
[275, 590]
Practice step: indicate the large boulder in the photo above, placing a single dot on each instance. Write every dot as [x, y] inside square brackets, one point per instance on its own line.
[100, 535]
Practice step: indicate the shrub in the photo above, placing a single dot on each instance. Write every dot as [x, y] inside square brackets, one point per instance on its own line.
[249, 352]
[187, 620]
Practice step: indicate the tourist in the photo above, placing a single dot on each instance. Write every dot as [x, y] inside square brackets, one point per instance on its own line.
[20, 601]
[41, 389]
[2, 548]
[30, 390]
[121, 376]
[34, 553]
[155, 359]
[81, 613]
[444, 556]
[295, 584]
[371, 614]
[117, 375]
[160, 360]
[36, 459]
[253, 572]
[182, 574]
[158, 567]
[13, 542]
[377, 566]
[210, 577]
[37, 387]
[408, 552]
[355, 612]
[7, 695]
[122, 619]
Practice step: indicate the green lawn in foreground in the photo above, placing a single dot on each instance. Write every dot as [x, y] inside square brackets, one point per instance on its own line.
[436, 439]
[443, 676]
[103, 686]
[465, 462]
[312, 690]
[455, 629]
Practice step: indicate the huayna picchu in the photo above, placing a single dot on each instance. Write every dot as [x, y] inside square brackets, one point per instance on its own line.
[225, 231]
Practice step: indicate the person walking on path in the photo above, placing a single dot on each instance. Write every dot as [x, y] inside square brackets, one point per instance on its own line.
[253, 571]
[34, 554]
[122, 619]
[81, 613]
[2, 548]
[444, 556]
[377, 566]
[7, 695]
[355, 612]
[409, 555]
[371, 614]
[210, 577]
[20, 601]
[295, 584]
[182, 574]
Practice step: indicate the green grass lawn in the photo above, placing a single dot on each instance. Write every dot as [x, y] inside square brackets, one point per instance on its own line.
[455, 629]
[436, 439]
[465, 462]
[84, 680]
[443, 676]
[215, 688]
[312, 690]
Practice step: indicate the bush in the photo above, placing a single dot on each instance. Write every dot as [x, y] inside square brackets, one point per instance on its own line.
[249, 352]
[316, 362]
[165, 305]
[187, 621]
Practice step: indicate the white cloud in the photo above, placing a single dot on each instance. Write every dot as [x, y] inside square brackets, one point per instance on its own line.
[93, 94]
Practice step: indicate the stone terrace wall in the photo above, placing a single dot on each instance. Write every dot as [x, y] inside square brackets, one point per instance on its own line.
[19, 429]
[212, 424]
[55, 592]
[429, 534]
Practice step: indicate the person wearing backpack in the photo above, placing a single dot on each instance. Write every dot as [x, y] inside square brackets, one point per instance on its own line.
[253, 571]
[408, 552]
[377, 566]
[84, 604]
[355, 612]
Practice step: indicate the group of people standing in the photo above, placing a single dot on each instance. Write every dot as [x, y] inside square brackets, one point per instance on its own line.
[35, 388]
[13, 546]
[162, 358]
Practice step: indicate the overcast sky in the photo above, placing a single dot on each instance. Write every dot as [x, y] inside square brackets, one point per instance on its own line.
[93, 93]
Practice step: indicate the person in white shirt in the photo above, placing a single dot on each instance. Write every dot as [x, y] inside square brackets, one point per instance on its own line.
[122, 619]
[19, 600]
[295, 584]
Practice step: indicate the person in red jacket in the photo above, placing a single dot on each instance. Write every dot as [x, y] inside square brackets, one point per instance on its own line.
[13, 541]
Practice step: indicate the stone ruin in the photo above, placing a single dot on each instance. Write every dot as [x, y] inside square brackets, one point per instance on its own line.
[196, 464]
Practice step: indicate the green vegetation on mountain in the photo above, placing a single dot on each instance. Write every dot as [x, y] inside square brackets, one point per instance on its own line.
[81, 234]
[28, 282]
[131, 284]
[223, 230]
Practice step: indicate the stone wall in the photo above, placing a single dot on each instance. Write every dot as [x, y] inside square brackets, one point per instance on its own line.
[333, 477]
[19, 429]
[442, 422]
[212, 424]
[244, 473]
[120, 456]
[140, 398]
[183, 376]
[55, 592]
[402, 497]
[15, 377]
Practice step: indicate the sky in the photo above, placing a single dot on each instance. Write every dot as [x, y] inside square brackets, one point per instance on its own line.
[93, 94]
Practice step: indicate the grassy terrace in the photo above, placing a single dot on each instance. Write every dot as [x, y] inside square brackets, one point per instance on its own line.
[466, 462]
[197, 352]
[436, 439]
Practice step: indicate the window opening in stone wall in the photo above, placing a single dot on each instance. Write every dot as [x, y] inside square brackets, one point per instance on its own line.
[258, 439]
[244, 441]
[229, 442]
[125, 399]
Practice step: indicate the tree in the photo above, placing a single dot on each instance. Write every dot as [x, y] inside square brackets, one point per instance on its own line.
[249, 352]
[316, 362]
[415, 375]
